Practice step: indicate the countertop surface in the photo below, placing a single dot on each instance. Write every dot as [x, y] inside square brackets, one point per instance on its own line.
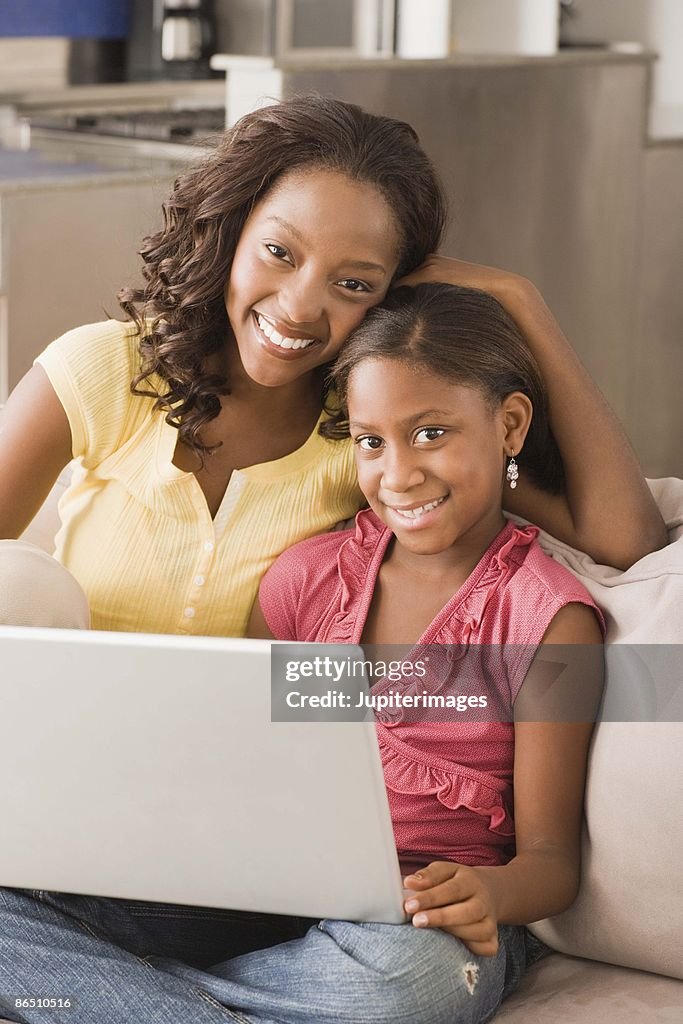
[66, 165]
[571, 55]
[20, 165]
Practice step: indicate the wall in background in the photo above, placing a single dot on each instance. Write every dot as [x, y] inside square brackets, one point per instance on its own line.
[657, 24]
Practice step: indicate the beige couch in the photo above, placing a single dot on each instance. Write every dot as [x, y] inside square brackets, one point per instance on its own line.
[619, 948]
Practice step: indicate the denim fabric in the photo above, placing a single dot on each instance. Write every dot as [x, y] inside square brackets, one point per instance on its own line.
[120, 961]
[535, 948]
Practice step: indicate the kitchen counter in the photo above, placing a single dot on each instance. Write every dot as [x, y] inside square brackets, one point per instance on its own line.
[66, 155]
[58, 166]
[569, 56]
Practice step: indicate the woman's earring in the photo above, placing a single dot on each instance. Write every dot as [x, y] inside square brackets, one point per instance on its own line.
[512, 473]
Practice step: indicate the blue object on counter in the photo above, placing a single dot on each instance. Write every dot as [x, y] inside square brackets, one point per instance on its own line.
[79, 19]
[31, 165]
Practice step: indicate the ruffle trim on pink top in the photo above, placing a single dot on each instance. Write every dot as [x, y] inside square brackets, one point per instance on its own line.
[452, 787]
[360, 557]
[469, 604]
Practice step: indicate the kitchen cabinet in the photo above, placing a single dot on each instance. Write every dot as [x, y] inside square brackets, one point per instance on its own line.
[69, 233]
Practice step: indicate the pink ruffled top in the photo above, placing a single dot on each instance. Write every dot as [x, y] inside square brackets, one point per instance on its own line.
[449, 782]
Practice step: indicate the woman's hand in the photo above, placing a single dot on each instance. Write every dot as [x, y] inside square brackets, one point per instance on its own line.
[442, 269]
[456, 899]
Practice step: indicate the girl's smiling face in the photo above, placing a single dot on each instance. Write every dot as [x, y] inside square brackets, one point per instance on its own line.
[431, 453]
[314, 255]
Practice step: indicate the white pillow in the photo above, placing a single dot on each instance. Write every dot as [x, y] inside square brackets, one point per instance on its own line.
[630, 906]
[643, 605]
[43, 527]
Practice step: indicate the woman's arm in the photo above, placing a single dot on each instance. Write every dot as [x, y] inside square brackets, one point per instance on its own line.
[549, 778]
[35, 445]
[608, 510]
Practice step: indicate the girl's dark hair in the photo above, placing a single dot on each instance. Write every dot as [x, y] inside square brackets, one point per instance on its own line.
[462, 335]
[188, 262]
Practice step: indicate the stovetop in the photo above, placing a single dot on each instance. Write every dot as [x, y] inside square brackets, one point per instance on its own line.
[181, 126]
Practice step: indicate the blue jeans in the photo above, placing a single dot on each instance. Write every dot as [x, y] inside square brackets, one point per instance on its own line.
[120, 962]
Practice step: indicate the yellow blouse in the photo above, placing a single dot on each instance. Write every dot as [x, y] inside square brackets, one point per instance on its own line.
[136, 531]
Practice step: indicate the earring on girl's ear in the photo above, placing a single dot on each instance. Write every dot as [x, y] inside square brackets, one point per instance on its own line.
[512, 473]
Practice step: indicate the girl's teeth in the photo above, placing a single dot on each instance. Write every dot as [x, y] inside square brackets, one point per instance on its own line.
[413, 513]
[278, 339]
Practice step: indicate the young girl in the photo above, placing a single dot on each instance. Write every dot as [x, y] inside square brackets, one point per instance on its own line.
[438, 392]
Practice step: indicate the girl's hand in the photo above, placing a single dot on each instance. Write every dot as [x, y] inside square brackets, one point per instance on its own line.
[443, 269]
[456, 899]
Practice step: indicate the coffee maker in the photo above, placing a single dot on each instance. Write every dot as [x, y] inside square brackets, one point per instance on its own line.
[170, 39]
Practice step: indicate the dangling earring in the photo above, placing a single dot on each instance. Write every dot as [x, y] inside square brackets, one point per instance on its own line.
[512, 473]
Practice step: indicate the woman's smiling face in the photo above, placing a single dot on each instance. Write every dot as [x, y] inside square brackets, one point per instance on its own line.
[314, 255]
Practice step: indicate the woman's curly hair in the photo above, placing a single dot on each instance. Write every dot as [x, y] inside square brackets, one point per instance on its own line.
[180, 312]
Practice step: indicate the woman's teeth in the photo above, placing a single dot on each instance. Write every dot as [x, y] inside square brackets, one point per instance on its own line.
[277, 338]
[414, 513]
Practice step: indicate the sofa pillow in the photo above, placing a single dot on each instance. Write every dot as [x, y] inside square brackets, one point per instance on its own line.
[630, 906]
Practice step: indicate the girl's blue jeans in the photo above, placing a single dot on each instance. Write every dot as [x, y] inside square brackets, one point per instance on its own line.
[119, 962]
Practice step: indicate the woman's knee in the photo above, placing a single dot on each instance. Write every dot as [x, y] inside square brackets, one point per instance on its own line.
[35, 590]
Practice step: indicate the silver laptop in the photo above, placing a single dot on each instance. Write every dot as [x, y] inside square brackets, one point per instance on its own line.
[147, 767]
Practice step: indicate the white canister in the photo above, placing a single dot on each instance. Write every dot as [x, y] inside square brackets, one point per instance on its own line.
[529, 27]
[423, 29]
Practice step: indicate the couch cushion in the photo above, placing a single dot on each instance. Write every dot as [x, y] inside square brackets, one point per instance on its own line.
[643, 604]
[43, 527]
[563, 990]
[630, 906]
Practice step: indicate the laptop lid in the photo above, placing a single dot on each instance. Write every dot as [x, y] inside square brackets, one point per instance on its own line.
[147, 767]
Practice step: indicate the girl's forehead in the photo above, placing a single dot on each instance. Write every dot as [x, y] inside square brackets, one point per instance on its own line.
[411, 381]
[394, 369]
[397, 385]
